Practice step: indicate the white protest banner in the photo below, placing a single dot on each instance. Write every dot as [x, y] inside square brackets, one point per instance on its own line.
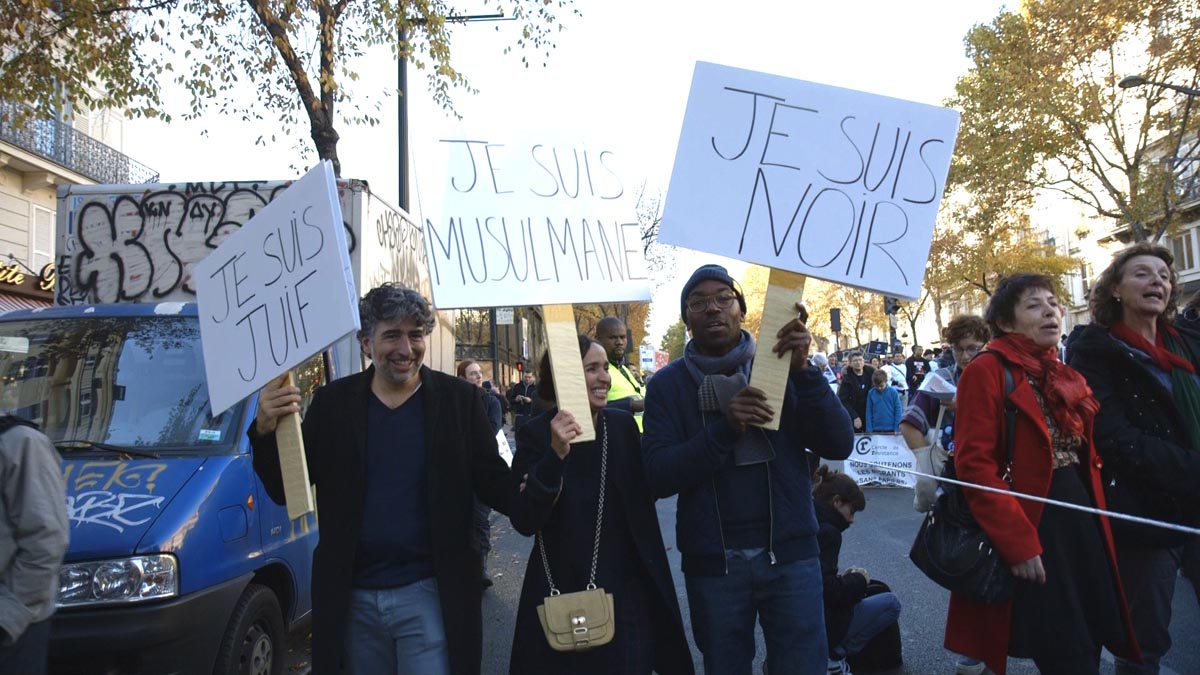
[885, 450]
[532, 221]
[828, 182]
[276, 291]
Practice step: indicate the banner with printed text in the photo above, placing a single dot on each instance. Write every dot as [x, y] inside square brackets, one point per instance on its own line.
[532, 221]
[885, 450]
[833, 183]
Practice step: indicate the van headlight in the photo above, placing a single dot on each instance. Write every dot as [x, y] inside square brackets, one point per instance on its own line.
[125, 580]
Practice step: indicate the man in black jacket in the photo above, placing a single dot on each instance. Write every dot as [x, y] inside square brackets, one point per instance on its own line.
[856, 384]
[522, 396]
[393, 593]
[745, 523]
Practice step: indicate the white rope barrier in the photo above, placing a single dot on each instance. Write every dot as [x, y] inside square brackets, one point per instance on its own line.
[1021, 495]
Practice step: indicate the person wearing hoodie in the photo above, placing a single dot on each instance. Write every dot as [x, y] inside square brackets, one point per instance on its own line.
[852, 616]
[744, 522]
[1144, 373]
[883, 406]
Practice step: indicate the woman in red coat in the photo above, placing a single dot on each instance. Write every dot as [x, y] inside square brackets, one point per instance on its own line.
[1068, 601]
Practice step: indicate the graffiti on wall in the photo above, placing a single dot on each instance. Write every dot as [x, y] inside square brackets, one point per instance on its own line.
[142, 247]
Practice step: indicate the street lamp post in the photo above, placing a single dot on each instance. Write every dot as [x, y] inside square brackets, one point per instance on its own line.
[1191, 93]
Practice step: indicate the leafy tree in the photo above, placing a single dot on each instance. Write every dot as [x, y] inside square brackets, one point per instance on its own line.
[674, 340]
[754, 287]
[635, 315]
[291, 60]
[1042, 110]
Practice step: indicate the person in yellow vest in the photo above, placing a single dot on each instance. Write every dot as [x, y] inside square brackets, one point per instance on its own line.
[627, 388]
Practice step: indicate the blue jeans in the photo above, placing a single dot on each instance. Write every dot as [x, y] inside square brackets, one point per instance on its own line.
[870, 616]
[397, 630]
[786, 599]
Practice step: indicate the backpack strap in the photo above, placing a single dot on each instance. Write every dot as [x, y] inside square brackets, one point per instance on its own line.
[1010, 413]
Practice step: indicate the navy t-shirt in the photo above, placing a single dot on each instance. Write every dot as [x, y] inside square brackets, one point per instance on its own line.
[394, 547]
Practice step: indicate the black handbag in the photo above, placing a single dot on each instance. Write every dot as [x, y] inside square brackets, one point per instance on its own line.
[952, 549]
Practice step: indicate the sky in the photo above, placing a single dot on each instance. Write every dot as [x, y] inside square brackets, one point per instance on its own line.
[620, 73]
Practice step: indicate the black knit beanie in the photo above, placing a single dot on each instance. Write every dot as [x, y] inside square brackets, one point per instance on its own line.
[706, 273]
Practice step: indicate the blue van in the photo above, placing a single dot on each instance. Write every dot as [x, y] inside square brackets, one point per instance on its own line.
[179, 562]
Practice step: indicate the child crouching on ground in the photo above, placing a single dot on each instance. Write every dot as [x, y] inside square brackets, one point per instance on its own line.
[856, 609]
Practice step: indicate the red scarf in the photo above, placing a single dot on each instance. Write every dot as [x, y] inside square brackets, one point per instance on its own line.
[1164, 358]
[1067, 395]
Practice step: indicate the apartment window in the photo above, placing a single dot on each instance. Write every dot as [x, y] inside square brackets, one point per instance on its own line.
[41, 238]
[1181, 245]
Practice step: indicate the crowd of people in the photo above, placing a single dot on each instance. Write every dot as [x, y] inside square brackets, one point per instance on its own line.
[1109, 421]
[759, 519]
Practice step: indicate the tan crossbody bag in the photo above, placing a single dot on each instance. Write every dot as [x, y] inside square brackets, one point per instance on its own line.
[576, 622]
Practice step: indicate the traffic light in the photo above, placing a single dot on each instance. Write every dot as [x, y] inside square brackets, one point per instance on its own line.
[520, 365]
[890, 305]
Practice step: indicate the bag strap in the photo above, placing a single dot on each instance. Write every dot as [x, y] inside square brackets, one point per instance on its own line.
[599, 516]
[1010, 414]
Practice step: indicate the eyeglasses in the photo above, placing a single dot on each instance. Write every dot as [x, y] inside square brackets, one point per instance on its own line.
[969, 351]
[722, 301]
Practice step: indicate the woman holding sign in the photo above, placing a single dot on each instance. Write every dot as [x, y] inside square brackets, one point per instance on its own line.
[596, 531]
[1067, 602]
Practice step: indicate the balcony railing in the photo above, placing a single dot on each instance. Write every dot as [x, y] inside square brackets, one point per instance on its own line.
[62, 144]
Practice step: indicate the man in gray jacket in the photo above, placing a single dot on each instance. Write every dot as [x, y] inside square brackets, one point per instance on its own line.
[33, 540]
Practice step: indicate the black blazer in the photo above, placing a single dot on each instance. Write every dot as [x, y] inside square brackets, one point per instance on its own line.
[462, 461]
[535, 507]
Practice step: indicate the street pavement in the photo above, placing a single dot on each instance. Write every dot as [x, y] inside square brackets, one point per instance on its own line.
[878, 541]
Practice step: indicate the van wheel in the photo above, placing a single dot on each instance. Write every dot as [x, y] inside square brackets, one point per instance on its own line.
[254, 641]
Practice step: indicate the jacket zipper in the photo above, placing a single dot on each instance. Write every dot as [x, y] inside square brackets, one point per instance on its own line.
[716, 503]
[720, 530]
[770, 509]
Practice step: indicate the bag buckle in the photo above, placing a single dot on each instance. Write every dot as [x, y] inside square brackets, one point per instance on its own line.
[579, 623]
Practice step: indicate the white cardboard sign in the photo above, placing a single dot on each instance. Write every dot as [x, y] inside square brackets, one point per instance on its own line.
[276, 291]
[887, 450]
[828, 182]
[533, 222]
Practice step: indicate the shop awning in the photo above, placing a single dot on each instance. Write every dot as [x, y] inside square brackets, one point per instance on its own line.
[11, 302]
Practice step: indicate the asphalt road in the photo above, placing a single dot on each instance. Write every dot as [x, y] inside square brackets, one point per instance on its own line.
[878, 541]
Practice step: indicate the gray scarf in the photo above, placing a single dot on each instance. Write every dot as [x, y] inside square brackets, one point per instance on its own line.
[719, 379]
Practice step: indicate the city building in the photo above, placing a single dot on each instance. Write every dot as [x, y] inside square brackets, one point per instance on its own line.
[76, 147]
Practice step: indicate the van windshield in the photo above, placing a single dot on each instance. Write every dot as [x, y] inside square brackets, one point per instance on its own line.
[122, 381]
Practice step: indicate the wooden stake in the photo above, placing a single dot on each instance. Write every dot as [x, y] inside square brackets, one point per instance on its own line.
[292, 462]
[770, 373]
[570, 388]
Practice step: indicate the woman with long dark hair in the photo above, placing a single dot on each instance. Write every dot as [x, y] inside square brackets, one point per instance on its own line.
[593, 516]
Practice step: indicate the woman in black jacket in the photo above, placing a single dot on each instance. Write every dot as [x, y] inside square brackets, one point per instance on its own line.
[565, 486]
[1144, 373]
[852, 617]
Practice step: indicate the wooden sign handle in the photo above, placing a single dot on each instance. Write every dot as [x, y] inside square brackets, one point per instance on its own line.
[570, 388]
[770, 373]
[292, 462]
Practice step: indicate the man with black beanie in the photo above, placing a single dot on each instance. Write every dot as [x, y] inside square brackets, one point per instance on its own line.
[744, 522]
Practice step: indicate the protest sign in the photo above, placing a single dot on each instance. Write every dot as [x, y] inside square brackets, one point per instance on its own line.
[828, 182]
[887, 450]
[536, 221]
[533, 222]
[276, 291]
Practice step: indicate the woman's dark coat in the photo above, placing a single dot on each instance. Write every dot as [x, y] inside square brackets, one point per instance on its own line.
[1149, 468]
[842, 591]
[534, 509]
[461, 461]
